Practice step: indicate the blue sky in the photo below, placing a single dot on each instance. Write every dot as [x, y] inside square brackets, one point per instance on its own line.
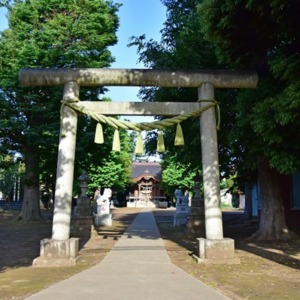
[137, 17]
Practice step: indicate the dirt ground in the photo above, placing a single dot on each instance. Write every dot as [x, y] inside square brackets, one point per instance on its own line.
[267, 270]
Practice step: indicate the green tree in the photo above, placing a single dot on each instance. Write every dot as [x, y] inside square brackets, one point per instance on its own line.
[114, 170]
[47, 34]
[260, 123]
[182, 46]
[109, 174]
[11, 174]
[262, 36]
[176, 175]
[181, 40]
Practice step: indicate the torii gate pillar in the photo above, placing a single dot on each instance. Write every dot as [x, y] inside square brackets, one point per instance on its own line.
[62, 250]
[215, 248]
[210, 166]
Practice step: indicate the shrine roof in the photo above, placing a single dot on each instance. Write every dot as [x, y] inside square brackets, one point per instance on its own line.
[142, 169]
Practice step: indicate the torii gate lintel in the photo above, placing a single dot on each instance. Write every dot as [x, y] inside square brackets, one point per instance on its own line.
[138, 77]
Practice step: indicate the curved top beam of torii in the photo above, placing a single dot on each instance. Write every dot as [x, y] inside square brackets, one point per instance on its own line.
[138, 77]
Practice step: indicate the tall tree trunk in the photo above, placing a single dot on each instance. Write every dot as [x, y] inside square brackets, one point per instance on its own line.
[31, 204]
[272, 224]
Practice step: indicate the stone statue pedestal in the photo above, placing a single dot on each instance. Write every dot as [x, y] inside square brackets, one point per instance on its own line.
[181, 216]
[103, 215]
[57, 253]
[216, 251]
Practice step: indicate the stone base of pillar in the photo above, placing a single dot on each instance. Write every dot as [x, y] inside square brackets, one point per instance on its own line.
[216, 251]
[57, 253]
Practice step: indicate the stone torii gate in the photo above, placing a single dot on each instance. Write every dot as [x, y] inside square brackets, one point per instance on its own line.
[63, 250]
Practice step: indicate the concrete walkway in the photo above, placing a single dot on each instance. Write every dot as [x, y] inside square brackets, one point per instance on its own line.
[137, 268]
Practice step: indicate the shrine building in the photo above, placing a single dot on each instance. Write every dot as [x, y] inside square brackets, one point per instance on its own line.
[145, 190]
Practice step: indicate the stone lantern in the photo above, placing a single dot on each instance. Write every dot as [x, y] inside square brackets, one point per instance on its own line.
[84, 179]
[196, 219]
[83, 206]
[82, 220]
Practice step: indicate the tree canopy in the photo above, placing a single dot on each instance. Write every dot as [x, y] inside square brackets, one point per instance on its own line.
[264, 37]
[44, 34]
[259, 126]
[182, 46]
[176, 175]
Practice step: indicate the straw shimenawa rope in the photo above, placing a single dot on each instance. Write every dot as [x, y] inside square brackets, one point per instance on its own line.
[141, 126]
[147, 126]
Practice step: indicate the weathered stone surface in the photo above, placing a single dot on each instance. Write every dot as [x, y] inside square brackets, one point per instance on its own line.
[196, 222]
[82, 228]
[83, 201]
[139, 77]
[140, 108]
[57, 253]
[82, 211]
[210, 166]
[196, 219]
[65, 167]
[216, 251]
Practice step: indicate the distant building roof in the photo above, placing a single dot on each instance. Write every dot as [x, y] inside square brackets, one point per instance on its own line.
[145, 169]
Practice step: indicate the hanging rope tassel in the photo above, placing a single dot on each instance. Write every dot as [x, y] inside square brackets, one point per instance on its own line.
[179, 139]
[160, 142]
[99, 134]
[116, 141]
[139, 148]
